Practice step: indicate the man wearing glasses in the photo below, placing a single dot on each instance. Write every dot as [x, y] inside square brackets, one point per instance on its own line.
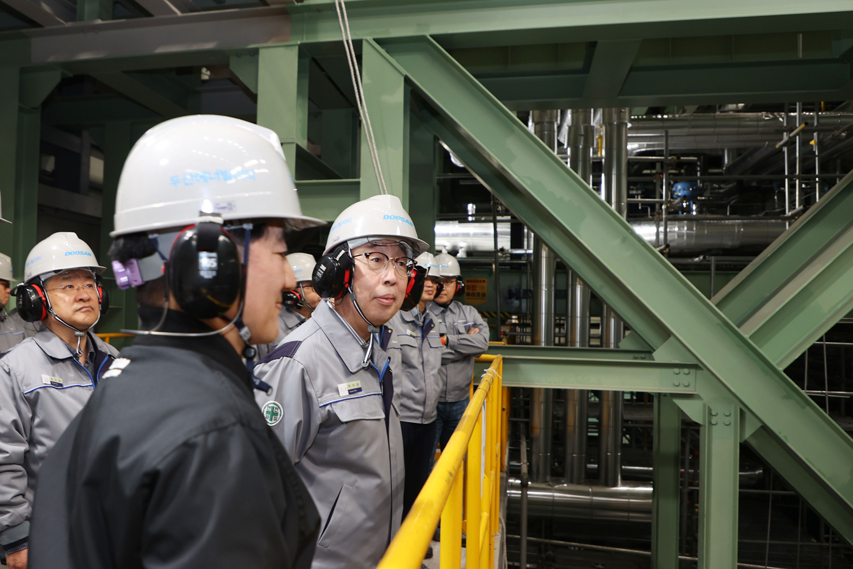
[298, 304]
[331, 393]
[46, 380]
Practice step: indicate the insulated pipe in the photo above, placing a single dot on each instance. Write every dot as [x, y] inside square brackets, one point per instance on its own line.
[580, 143]
[630, 502]
[544, 266]
[616, 158]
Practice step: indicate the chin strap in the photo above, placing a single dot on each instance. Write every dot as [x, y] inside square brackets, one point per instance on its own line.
[304, 299]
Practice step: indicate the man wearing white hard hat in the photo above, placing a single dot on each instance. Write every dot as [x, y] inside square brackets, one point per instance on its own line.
[13, 328]
[297, 304]
[332, 393]
[415, 352]
[171, 463]
[46, 380]
[466, 337]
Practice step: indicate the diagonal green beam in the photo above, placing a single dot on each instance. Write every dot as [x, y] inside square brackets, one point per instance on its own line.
[611, 63]
[622, 268]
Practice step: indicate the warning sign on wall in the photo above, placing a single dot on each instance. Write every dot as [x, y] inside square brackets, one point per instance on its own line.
[475, 291]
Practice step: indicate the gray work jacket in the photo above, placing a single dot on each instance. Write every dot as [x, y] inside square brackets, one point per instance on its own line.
[13, 329]
[288, 321]
[457, 360]
[42, 388]
[330, 413]
[415, 350]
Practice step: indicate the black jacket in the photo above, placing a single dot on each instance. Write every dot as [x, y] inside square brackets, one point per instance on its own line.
[171, 464]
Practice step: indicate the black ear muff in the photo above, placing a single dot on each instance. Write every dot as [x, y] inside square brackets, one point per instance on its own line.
[103, 296]
[32, 302]
[333, 273]
[414, 288]
[438, 289]
[292, 298]
[204, 270]
[460, 286]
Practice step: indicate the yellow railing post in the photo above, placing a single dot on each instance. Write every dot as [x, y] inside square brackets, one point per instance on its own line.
[451, 526]
[473, 465]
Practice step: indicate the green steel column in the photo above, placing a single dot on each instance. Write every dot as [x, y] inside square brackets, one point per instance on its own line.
[718, 486]
[423, 191]
[665, 508]
[25, 215]
[339, 132]
[283, 97]
[9, 81]
[386, 96]
[117, 143]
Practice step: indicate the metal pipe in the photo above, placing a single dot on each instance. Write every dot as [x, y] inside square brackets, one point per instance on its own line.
[665, 196]
[544, 263]
[616, 158]
[798, 147]
[610, 420]
[629, 502]
[786, 159]
[524, 485]
[816, 143]
[497, 266]
[713, 275]
[685, 235]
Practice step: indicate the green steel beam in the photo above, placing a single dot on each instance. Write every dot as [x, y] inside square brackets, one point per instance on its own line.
[386, 97]
[611, 63]
[25, 217]
[245, 67]
[514, 351]
[138, 92]
[88, 110]
[326, 199]
[94, 10]
[36, 85]
[283, 97]
[423, 185]
[667, 483]
[719, 454]
[607, 374]
[339, 129]
[9, 96]
[624, 270]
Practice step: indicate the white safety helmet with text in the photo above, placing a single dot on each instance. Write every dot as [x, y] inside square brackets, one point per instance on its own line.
[209, 163]
[428, 260]
[448, 266]
[60, 252]
[376, 218]
[302, 265]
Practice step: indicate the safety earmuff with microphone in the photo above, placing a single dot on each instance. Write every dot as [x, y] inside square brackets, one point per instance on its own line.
[460, 286]
[333, 273]
[34, 304]
[204, 271]
[414, 288]
[292, 298]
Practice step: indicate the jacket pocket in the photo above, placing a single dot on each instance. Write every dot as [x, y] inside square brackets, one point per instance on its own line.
[338, 516]
[366, 407]
[434, 342]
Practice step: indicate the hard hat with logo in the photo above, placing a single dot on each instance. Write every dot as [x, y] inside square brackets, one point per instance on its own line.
[375, 218]
[60, 252]
[448, 266]
[428, 260]
[303, 266]
[207, 163]
[5, 268]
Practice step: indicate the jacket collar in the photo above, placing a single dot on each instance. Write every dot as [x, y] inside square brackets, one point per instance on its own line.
[56, 348]
[291, 317]
[215, 348]
[347, 344]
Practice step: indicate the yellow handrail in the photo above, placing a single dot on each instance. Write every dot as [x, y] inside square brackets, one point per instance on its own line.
[106, 337]
[442, 494]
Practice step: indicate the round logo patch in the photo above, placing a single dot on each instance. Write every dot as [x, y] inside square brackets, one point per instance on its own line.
[272, 413]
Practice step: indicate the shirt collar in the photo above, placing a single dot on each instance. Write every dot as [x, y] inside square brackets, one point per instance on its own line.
[56, 348]
[349, 345]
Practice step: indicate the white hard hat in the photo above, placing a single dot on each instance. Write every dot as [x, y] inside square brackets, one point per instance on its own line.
[377, 217]
[448, 266]
[205, 163]
[5, 268]
[303, 266]
[427, 260]
[60, 252]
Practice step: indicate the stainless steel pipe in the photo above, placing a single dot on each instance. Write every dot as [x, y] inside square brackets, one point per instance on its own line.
[630, 502]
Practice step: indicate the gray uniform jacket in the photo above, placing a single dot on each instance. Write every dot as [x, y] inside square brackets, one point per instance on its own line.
[415, 350]
[337, 422]
[42, 388]
[288, 321]
[457, 360]
[13, 329]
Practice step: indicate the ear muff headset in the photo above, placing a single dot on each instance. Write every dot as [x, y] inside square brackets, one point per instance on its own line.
[34, 306]
[460, 286]
[414, 288]
[292, 298]
[204, 270]
[333, 273]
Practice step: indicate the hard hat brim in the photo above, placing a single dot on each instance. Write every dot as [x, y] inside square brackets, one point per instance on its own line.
[295, 222]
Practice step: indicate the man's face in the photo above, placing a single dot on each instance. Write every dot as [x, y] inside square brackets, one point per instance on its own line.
[429, 289]
[449, 290]
[5, 289]
[309, 294]
[379, 294]
[74, 297]
[267, 274]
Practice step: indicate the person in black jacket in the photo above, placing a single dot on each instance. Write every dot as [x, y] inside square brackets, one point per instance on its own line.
[171, 462]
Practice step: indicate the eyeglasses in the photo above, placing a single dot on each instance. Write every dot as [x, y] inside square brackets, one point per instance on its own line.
[70, 289]
[378, 262]
[448, 281]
